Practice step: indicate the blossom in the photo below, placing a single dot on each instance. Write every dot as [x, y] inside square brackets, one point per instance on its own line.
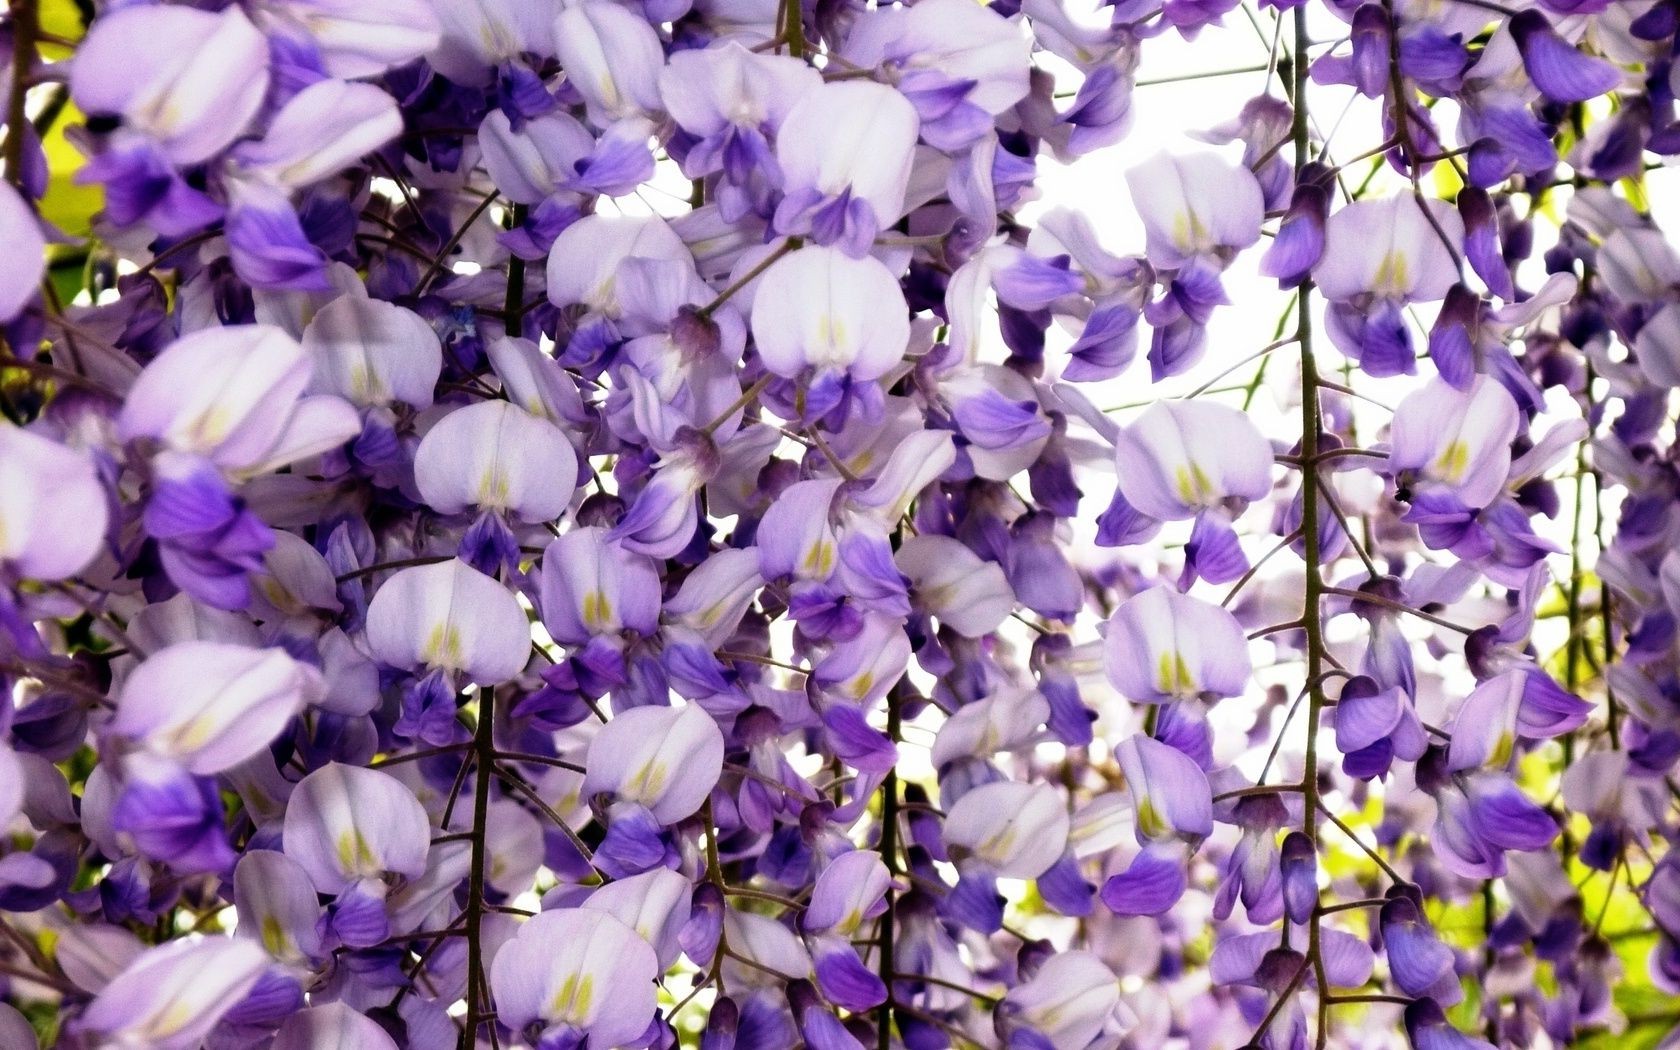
[210, 705]
[578, 971]
[1070, 1001]
[1170, 795]
[448, 617]
[818, 312]
[172, 996]
[346, 824]
[372, 353]
[1195, 205]
[1017, 830]
[845, 151]
[235, 396]
[496, 457]
[190, 81]
[1181, 458]
[53, 508]
[1378, 256]
[23, 232]
[1163, 646]
[1456, 440]
[666, 759]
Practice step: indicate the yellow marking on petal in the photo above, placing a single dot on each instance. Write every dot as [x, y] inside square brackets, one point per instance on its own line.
[572, 1001]
[274, 936]
[1149, 820]
[1502, 749]
[493, 488]
[648, 782]
[819, 559]
[562, 1004]
[1000, 845]
[862, 684]
[831, 332]
[597, 611]
[1173, 676]
[213, 426]
[1453, 461]
[171, 1021]
[361, 383]
[1391, 274]
[1195, 488]
[193, 734]
[443, 646]
[1188, 231]
[277, 595]
[354, 853]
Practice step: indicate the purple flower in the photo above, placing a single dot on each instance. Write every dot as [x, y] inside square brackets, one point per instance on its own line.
[577, 972]
[1455, 442]
[1170, 794]
[189, 80]
[54, 509]
[1562, 73]
[449, 617]
[1162, 646]
[1196, 205]
[209, 706]
[493, 456]
[28, 261]
[347, 826]
[667, 759]
[834, 188]
[817, 311]
[171, 996]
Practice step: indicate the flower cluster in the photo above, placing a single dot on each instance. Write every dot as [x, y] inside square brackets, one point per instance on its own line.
[591, 524]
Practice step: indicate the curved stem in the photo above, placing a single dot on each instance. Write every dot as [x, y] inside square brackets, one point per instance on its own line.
[889, 856]
[25, 23]
[1312, 621]
[485, 749]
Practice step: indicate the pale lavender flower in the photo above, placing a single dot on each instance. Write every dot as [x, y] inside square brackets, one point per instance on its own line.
[1163, 646]
[172, 996]
[580, 973]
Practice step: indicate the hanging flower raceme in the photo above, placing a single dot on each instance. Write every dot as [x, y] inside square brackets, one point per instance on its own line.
[592, 525]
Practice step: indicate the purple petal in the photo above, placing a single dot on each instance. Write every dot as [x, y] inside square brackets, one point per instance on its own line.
[1151, 885]
[1558, 69]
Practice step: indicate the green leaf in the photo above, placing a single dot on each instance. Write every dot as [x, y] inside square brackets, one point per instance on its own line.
[68, 206]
